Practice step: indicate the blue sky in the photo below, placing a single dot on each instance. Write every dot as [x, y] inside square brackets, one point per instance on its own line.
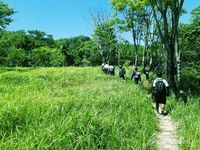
[64, 18]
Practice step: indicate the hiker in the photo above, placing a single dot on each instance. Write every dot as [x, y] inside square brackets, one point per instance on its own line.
[159, 92]
[122, 72]
[136, 75]
[146, 72]
[105, 68]
[111, 70]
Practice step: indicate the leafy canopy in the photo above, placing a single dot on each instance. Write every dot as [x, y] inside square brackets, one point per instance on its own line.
[5, 15]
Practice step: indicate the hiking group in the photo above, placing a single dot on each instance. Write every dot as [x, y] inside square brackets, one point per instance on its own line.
[160, 87]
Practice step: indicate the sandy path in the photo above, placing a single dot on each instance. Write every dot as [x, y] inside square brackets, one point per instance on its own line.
[167, 139]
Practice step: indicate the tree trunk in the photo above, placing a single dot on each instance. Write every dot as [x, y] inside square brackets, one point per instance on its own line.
[178, 65]
[144, 60]
[136, 57]
[177, 6]
[136, 47]
[171, 69]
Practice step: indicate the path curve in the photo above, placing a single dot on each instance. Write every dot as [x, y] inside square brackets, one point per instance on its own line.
[167, 139]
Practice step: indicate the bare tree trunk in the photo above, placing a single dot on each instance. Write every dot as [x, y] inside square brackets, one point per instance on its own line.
[177, 6]
[145, 50]
[135, 46]
[178, 61]
[136, 57]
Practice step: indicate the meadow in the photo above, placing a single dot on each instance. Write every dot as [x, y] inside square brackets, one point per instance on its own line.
[73, 108]
[188, 121]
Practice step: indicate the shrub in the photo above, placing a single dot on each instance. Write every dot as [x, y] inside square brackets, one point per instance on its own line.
[16, 57]
[45, 56]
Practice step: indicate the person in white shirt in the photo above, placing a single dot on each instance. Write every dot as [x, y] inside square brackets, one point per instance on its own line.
[160, 92]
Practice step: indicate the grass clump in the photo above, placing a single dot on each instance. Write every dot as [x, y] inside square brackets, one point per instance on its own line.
[188, 122]
[73, 108]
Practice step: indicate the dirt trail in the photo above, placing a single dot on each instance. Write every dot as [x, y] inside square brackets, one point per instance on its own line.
[167, 139]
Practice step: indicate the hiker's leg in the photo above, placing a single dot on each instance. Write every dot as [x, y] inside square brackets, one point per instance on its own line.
[163, 109]
[157, 107]
[160, 108]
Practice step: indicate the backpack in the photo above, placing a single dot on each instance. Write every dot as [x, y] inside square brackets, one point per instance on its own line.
[160, 87]
[137, 75]
[122, 71]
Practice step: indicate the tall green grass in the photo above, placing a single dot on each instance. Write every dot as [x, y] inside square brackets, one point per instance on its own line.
[73, 108]
[188, 122]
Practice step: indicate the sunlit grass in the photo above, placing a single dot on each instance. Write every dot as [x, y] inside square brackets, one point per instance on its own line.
[188, 122]
[73, 108]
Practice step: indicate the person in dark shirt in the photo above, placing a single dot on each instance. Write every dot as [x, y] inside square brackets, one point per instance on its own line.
[122, 72]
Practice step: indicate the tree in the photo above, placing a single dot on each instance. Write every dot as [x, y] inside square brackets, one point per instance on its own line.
[132, 21]
[41, 39]
[170, 12]
[196, 15]
[45, 56]
[71, 49]
[91, 56]
[16, 57]
[5, 15]
[104, 35]
[106, 40]
[189, 44]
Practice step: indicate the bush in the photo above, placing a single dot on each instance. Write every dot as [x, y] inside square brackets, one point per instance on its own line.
[191, 80]
[16, 57]
[86, 62]
[45, 56]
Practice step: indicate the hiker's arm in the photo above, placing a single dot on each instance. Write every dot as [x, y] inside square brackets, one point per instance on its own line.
[167, 90]
[133, 74]
[153, 88]
[153, 92]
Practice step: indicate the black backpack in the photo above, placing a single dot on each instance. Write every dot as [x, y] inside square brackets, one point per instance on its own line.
[122, 71]
[160, 87]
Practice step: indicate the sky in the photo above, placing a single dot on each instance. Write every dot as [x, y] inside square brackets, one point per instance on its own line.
[65, 18]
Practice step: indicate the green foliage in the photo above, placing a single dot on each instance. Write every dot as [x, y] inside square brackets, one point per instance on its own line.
[45, 56]
[16, 57]
[91, 56]
[105, 38]
[196, 15]
[190, 54]
[41, 39]
[188, 120]
[56, 108]
[132, 20]
[77, 49]
[5, 15]
[191, 80]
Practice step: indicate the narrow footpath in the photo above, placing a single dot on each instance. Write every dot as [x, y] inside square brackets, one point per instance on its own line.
[167, 139]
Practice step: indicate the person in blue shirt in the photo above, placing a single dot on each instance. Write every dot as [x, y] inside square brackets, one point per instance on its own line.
[136, 75]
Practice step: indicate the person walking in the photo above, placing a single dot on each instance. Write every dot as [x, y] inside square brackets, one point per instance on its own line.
[160, 92]
[136, 75]
[122, 72]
